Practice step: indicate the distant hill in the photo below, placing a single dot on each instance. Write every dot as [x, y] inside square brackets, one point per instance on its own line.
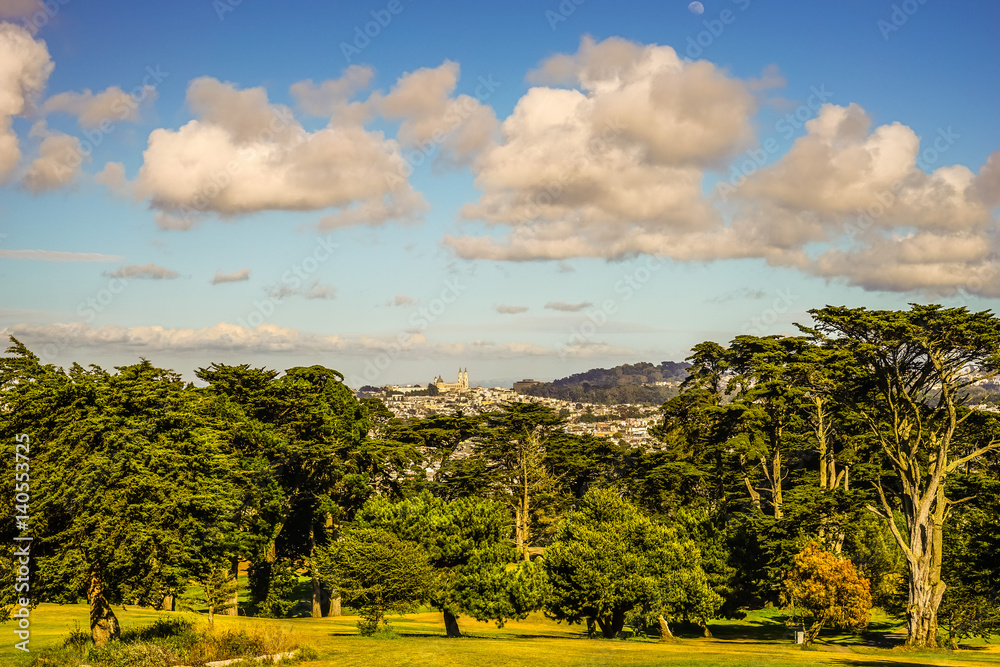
[628, 383]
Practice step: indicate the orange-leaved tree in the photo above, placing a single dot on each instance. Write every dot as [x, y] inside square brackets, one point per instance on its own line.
[829, 590]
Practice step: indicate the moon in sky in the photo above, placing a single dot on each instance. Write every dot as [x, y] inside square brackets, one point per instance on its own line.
[696, 7]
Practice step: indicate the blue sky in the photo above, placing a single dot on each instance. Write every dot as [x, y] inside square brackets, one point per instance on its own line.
[526, 189]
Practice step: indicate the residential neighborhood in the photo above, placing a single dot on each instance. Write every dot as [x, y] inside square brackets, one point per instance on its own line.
[628, 423]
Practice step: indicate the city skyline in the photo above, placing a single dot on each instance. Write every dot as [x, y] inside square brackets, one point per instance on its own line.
[530, 190]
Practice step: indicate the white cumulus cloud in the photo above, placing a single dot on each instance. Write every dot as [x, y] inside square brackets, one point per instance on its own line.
[243, 154]
[91, 109]
[25, 66]
[58, 163]
[614, 162]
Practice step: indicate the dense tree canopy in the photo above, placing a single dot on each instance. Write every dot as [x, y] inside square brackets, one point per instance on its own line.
[781, 459]
[910, 372]
[376, 572]
[467, 542]
[609, 559]
[131, 486]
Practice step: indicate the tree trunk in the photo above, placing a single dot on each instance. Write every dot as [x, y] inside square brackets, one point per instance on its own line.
[664, 629]
[103, 622]
[703, 622]
[211, 614]
[617, 623]
[591, 628]
[926, 591]
[523, 507]
[921, 621]
[924, 555]
[168, 603]
[925, 515]
[825, 462]
[451, 624]
[262, 583]
[829, 478]
[776, 497]
[235, 609]
[317, 592]
[612, 627]
[335, 605]
[813, 631]
[754, 494]
[317, 598]
[324, 601]
[820, 430]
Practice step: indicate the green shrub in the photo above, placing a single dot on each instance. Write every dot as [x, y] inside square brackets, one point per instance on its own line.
[278, 599]
[138, 654]
[66, 656]
[165, 641]
[236, 643]
[173, 641]
[78, 639]
[307, 653]
[386, 632]
[161, 628]
[367, 626]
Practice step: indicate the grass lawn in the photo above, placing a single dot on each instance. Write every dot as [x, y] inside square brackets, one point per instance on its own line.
[755, 641]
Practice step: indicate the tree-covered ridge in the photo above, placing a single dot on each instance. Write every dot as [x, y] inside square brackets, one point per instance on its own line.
[638, 373]
[629, 383]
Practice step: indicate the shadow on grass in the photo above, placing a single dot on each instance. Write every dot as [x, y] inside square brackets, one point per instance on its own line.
[494, 637]
[883, 663]
[872, 640]
[761, 630]
[779, 628]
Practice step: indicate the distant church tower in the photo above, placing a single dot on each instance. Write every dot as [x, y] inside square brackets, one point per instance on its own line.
[460, 385]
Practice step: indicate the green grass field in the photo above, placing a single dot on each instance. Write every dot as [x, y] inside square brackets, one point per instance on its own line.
[754, 642]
